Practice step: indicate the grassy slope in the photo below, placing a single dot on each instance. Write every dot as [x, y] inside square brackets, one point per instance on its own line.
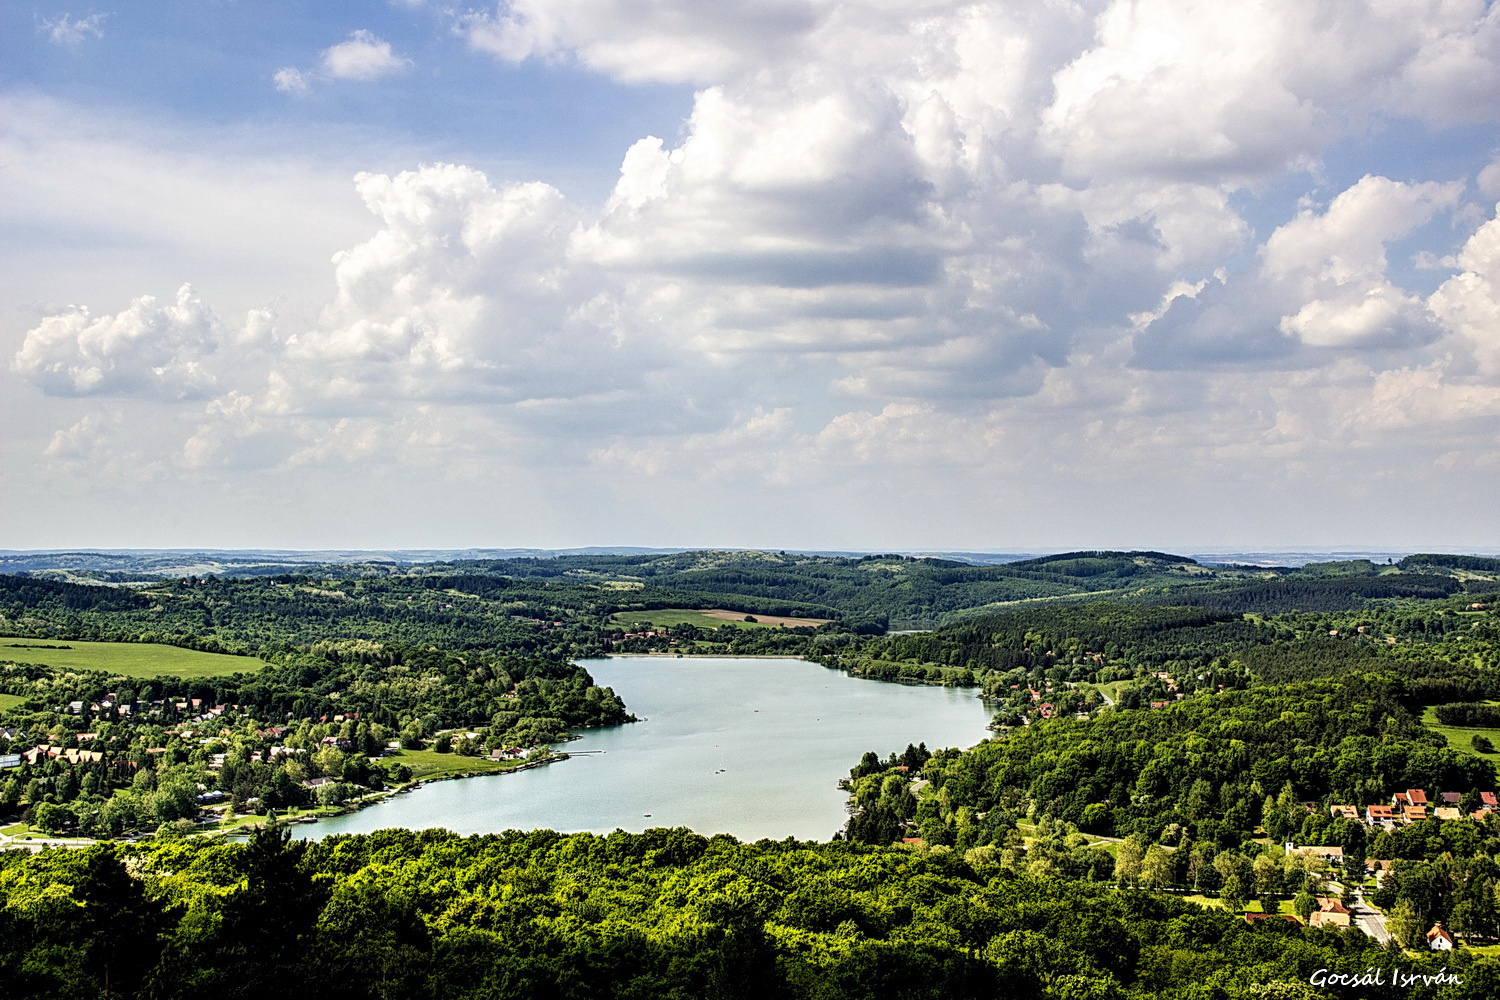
[9, 701]
[129, 659]
[1460, 738]
[1110, 689]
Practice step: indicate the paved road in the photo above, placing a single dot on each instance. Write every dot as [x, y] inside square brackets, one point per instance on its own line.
[1370, 920]
[12, 844]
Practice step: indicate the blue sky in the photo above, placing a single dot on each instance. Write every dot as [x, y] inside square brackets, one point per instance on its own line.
[211, 65]
[792, 273]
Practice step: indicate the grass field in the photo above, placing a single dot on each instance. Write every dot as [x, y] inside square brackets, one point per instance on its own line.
[1110, 689]
[1461, 739]
[712, 618]
[431, 764]
[9, 701]
[128, 659]
[1207, 902]
[1252, 906]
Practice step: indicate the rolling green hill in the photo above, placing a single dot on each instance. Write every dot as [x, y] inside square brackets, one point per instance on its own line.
[128, 659]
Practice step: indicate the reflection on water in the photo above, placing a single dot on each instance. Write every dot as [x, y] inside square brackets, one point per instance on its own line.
[751, 747]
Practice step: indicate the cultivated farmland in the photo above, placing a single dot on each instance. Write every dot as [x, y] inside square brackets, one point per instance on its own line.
[713, 618]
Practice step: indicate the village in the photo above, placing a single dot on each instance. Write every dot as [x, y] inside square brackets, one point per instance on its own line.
[204, 767]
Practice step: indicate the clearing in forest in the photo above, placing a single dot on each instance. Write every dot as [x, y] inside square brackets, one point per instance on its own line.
[1461, 738]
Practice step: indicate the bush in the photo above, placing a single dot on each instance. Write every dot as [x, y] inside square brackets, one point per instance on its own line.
[1482, 744]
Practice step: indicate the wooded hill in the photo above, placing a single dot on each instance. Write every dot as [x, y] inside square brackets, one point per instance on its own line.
[900, 592]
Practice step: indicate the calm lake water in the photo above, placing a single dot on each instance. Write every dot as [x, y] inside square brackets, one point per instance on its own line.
[750, 747]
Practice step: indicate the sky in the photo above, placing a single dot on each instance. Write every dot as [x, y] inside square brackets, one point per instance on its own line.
[869, 275]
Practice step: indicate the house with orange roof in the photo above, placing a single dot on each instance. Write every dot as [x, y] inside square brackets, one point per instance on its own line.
[1330, 913]
[1401, 801]
[1261, 918]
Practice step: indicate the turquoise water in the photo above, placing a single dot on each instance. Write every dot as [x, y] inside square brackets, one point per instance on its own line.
[750, 747]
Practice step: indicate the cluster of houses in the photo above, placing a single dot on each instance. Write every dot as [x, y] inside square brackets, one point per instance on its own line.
[1331, 912]
[646, 635]
[46, 751]
[1044, 709]
[1413, 806]
[197, 708]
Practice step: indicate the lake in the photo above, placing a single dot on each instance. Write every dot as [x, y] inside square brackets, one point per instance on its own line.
[746, 746]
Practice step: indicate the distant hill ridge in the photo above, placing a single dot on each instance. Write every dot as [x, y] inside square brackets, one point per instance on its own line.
[896, 590]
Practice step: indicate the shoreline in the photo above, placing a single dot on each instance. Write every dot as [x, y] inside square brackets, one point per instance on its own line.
[376, 798]
[9, 843]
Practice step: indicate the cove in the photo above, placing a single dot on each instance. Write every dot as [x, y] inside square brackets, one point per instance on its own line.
[746, 746]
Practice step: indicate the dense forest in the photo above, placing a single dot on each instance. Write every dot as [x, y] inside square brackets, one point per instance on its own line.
[666, 914]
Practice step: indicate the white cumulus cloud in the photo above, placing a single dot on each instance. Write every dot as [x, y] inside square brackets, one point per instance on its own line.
[149, 349]
[1320, 281]
[362, 57]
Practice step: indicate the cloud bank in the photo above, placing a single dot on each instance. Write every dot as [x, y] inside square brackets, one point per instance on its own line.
[975, 241]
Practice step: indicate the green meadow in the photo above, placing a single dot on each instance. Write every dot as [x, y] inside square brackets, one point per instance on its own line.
[1461, 738]
[128, 659]
[9, 701]
[427, 764]
[1109, 689]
